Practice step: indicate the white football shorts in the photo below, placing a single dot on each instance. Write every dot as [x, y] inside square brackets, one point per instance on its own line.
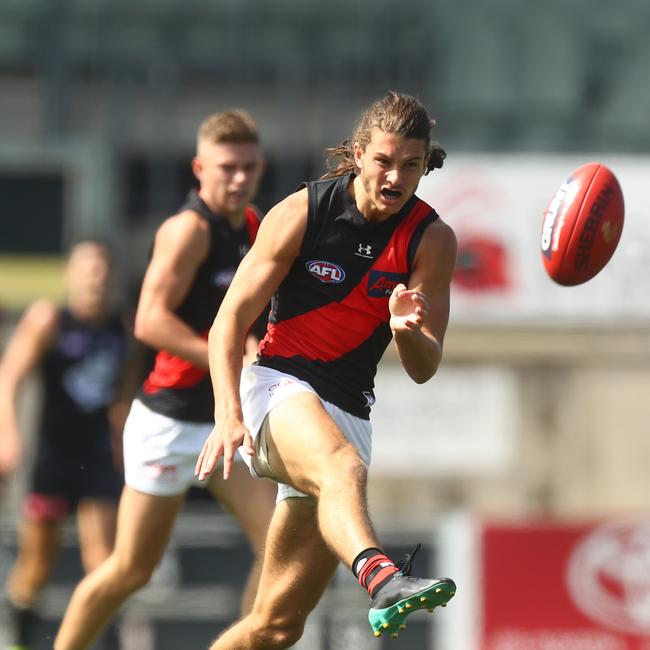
[160, 453]
[261, 390]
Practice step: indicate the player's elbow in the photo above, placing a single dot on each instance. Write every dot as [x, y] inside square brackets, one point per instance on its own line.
[422, 375]
[143, 328]
[140, 330]
[425, 366]
[421, 362]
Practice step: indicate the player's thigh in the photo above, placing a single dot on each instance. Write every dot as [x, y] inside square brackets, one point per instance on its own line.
[304, 441]
[297, 568]
[144, 524]
[251, 501]
[96, 523]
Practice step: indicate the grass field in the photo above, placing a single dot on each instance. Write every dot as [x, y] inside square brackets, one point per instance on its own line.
[23, 278]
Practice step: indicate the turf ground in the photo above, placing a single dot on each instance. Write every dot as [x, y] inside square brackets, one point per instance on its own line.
[23, 278]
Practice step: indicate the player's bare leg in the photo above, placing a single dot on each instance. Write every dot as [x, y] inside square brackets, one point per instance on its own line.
[308, 451]
[143, 529]
[297, 568]
[38, 546]
[96, 524]
[251, 502]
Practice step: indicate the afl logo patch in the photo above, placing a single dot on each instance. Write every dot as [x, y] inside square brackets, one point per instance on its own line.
[326, 272]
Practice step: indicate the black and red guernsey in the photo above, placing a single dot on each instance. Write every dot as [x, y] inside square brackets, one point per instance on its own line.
[329, 322]
[175, 387]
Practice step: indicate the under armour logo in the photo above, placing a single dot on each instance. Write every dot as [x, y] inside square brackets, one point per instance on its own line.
[364, 250]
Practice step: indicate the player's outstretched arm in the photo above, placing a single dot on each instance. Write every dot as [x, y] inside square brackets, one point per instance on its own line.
[258, 276]
[34, 334]
[420, 313]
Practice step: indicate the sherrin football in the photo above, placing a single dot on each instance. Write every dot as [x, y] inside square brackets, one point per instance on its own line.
[582, 225]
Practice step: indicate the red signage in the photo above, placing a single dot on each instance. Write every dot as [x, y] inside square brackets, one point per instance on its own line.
[566, 587]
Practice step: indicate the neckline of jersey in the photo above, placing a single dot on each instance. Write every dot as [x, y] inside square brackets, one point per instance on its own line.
[354, 216]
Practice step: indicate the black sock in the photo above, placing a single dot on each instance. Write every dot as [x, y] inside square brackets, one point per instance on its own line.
[373, 569]
[357, 565]
[23, 620]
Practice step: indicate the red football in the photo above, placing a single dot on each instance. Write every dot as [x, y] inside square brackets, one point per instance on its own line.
[582, 224]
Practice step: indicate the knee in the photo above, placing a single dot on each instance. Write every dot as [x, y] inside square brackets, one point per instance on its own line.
[128, 577]
[26, 581]
[278, 634]
[341, 469]
[346, 467]
[136, 578]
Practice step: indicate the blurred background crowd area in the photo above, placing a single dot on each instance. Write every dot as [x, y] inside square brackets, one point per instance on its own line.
[121, 86]
[540, 411]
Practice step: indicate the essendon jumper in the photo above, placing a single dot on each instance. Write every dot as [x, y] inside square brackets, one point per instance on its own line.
[175, 387]
[329, 322]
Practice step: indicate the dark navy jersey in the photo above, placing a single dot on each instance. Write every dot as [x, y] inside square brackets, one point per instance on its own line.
[81, 373]
[175, 387]
[329, 322]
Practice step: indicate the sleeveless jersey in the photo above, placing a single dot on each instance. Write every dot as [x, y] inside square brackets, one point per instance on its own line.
[80, 376]
[329, 322]
[175, 387]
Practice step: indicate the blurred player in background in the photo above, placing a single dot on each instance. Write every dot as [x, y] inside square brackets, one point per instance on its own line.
[195, 255]
[80, 350]
[351, 261]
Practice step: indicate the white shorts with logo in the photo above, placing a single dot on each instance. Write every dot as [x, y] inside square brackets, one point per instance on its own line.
[262, 389]
[160, 453]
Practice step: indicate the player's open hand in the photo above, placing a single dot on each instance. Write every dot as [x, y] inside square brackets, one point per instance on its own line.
[408, 309]
[217, 446]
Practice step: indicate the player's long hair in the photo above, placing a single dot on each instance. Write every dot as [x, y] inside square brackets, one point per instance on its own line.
[395, 113]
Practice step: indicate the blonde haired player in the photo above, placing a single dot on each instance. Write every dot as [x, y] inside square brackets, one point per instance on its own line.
[194, 258]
